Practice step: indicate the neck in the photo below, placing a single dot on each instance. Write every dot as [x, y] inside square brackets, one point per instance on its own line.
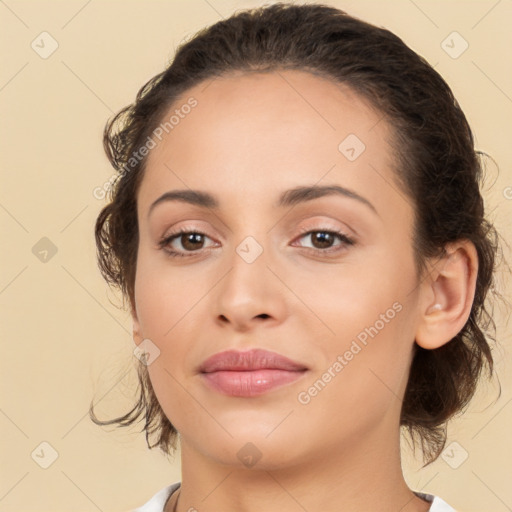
[363, 474]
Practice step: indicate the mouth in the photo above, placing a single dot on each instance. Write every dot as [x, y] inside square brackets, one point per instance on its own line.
[250, 373]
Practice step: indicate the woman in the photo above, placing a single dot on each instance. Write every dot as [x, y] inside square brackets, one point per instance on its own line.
[298, 227]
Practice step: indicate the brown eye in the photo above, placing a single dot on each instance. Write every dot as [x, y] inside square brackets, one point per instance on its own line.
[190, 241]
[193, 241]
[322, 240]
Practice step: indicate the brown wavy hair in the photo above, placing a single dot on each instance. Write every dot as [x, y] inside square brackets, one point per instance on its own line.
[438, 168]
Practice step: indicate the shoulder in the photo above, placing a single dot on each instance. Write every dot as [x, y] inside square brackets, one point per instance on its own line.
[158, 500]
[437, 504]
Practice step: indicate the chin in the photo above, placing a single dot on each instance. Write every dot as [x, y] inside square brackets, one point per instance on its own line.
[256, 450]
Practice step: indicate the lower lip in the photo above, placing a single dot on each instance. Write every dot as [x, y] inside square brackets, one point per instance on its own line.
[250, 383]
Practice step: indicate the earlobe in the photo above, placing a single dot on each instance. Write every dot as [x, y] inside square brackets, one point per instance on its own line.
[137, 334]
[447, 296]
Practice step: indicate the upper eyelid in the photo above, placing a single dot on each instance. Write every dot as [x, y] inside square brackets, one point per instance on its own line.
[302, 231]
[316, 225]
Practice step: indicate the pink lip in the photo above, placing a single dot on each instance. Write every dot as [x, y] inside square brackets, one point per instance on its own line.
[249, 373]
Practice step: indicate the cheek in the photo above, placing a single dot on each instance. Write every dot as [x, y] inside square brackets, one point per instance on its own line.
[367, 312]
[363, 380]
[368, 292]
[164, 295]
[169, 302]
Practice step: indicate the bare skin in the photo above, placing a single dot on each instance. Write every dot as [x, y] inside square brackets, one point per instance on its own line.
[250, 138]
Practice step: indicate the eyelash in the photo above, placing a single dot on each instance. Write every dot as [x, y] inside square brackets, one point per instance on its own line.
[345, 239]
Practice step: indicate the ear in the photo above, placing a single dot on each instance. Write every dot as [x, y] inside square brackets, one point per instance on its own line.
[447, 295]
[137, 334]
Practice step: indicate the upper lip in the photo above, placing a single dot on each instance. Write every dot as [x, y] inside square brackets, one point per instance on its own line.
[255, 359]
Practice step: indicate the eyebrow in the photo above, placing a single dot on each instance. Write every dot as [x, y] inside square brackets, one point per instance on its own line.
[288, 198]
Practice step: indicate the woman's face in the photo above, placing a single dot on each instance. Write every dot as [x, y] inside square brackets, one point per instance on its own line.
[253, 278]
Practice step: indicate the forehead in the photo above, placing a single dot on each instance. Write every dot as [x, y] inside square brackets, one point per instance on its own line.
[262, 132]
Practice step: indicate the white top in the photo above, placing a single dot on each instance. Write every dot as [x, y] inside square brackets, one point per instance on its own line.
[158, 501]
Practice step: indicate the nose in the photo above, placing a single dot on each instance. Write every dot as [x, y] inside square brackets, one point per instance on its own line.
[249, 293]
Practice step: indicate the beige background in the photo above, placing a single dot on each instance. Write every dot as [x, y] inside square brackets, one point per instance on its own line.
[64, 341]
